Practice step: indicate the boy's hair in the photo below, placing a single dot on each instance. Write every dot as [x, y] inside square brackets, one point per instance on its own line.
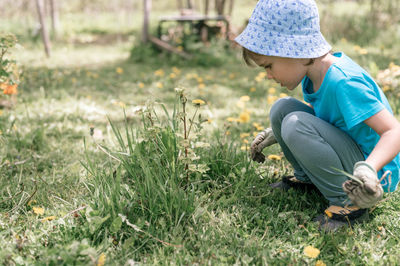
[248, 57]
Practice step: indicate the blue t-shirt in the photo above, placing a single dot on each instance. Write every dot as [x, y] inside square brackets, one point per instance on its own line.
[348, 95]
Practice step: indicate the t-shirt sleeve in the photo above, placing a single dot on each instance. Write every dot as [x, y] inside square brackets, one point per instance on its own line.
[356, 101]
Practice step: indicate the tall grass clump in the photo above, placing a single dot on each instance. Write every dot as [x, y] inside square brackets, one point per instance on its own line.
[148, 181]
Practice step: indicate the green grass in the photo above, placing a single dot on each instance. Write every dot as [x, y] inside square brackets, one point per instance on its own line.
[123, 191]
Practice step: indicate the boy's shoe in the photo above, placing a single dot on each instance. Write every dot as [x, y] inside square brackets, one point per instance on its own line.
[288, 182]
[336, 217]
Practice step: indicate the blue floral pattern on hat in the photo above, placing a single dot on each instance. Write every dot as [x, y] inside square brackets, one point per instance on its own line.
[285, 28]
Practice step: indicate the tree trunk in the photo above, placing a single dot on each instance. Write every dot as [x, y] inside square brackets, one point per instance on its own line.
[54, 18]
[45, 36]
[146, 18]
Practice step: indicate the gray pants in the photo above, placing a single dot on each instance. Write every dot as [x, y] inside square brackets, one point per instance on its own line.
[314, 148]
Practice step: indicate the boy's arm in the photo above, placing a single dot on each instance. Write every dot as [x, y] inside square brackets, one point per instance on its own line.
[387, 126]
[369, 192]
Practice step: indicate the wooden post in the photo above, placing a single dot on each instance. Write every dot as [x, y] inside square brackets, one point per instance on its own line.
[146, 18]
[45, 36]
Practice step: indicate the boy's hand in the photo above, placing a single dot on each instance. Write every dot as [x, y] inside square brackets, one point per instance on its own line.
[264, 139]
[368, 193]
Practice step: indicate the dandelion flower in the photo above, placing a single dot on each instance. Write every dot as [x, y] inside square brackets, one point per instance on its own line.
[176, 70]
[320, 263]
[231, 119]
[283, 95]
[38, 210]
[271, 99]
[48, 218]
[252, 89]
[272, 90]
[172, 75]
[244, 135]
[311, 252]
[245, 98]
[119, 70]
[356, 48]
[363, 51]
[102, 260]
[243, 148]
[201, 86]
[141, 85]
[159, 85]
[159, 73]
[274, 157]
[240, 104]
[198, 102]
[244, 117]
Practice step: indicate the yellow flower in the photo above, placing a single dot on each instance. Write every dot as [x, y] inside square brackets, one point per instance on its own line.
[311, 252]
[328, 213]
[231, 119]
[252, 89]
[243, 148]
[179, 48]
[119, 70]
[271, 99]
[159, 85]
[48, 218]
[198, 102]
[283, 95]
[260, 76]
[231, 76]
[244, 135]
[320, 263]
[141, 85]
[245, 141]
[176, 70]
[159, 73]
[245, 98]
[272, 90]
[363, 51]
[258, 126]
[200, 80]
[38, 210]
[356, 48]
[201, 86]
[244, 117]
[102, 260]
[240, 104]
[172, 75]
[274, 157]
[227, 133]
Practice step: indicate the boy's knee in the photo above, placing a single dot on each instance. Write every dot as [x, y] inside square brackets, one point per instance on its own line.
[279, 109]
[294, 125]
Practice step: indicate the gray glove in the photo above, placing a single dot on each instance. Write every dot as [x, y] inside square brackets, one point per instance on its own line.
[368, 193]
[264, 139]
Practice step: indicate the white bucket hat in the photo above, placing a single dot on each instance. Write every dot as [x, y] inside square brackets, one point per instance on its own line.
[285, 28]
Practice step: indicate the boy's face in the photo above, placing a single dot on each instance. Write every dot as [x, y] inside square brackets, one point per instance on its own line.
[288, 72]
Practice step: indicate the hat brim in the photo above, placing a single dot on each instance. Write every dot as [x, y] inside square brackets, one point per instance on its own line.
[257, 40]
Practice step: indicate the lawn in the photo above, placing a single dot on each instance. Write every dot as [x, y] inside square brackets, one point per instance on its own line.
[113, 157]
